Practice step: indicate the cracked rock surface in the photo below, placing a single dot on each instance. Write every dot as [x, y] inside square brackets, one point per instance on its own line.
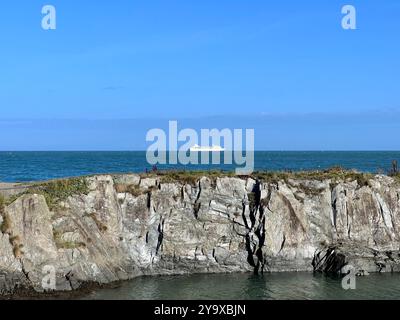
[126, 226]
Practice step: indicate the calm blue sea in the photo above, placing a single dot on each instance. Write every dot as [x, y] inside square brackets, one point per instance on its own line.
[34, 166]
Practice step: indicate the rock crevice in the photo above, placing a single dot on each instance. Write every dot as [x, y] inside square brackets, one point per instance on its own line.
[121, 227]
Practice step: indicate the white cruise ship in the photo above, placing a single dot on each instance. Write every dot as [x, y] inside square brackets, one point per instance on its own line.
[213, 148]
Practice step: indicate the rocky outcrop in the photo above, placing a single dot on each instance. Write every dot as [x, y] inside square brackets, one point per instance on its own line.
[125, 226]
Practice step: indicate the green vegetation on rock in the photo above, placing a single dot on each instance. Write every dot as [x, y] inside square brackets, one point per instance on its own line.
[5, 225]
[334, 174]
[60, 190]
[396, 176]
[2, 204]
[189, 177]
[56, 191]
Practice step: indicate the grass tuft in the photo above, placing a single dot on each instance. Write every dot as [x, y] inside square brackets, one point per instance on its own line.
[60, 190]
[192, 177]
[187, 177]
[395, 176]
[5, 226]
[335, 174]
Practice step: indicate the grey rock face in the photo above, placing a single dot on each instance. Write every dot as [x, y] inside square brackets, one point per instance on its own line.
[127, 226]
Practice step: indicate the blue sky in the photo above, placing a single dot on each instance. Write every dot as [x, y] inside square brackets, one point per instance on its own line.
[113, 69]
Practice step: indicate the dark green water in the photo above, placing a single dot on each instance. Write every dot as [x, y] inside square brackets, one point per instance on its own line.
[303, 286]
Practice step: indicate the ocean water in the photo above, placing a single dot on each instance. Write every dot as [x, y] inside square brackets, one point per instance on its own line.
[33, 166]
[36, 166]
[274, 286]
